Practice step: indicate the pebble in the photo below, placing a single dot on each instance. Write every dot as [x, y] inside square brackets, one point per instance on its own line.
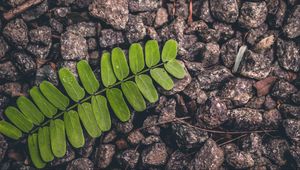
[85, 29]
[104, 155]
[142, 5]
[283, 90]
[3, 47]
[292, 129]
[135, 29]
[36, 12]
[109, 38]
[155, 155]
[25, 64]
[73, 46]
[276, 150]
[135, 137]
[81, 164]
[226, 11]
[161, 17]
[8, 71]
[210, 156]
[128, 158]
[113, 12]
[292, 26]
[150, 122]
[240, 160]
[178, 160]
[245, 118]
[17, 33]
[288, 55]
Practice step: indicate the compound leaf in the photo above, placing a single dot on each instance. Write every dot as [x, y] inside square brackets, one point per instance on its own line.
[133, 96]
[119, 63]
[44, 144]
[136, 58]
[118, 104]
[34, 151]
[9, 130]
[175, 69]
[72, 87]
[58, 99]
[87, 77]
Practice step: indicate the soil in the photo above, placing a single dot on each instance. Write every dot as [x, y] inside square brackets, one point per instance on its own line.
[214, 118]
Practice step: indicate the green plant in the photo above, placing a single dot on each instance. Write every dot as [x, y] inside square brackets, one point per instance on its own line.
[49, 116]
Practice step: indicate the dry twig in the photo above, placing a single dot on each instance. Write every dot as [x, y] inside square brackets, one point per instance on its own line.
[20, 9]
[190, 19]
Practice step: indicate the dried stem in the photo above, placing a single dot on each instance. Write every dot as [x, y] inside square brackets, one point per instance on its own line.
[190, 19]
[234, 139]
[20, 9]
[163, 122]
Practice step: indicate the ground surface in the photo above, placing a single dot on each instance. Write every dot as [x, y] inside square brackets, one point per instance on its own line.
[215, 118]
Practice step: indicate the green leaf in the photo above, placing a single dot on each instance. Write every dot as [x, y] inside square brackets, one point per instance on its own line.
[107, 73]
[117, 103]
[31, 112]
[87, 77]
[136, 58]
[119, 63]
[162, 78]
[101, 112]
[9, 130]
[175, 69]
[58, 138]
[74, 129]
[18, 119]
[44, 144]
[72, 87]
[34, 151]
[42, 103]
[133, 96]
[146, 86]
[152, 53]
[88, 119]
[58, 99]
[169, 51]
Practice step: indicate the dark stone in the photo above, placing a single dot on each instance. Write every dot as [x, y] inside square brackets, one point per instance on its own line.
[81, 164]
[282, 90]
[12, 89]
[142, 5]
[36, 12]
[188, 137]
[71, 65]
[123, 127]
[254, 34]
[213, 77]
[292, 129]
[8, 71]
[270, 103]
[149, 123]
[135, 137]
[15, 3]
[209, 35]
[225, 30]
[46, 73]
[256, 102]
[70, 155]
[226, 11]
[65, 2]
[295, 152]
[210, 54]
[56, 25]
[229, 51]
[3, 146]
[290, 110]
[135, 29]
[73, 46]
[288, 55]
[85, 29]
[245, 118]
[87, 149]
[113, 12]
[24, 63]
[109, 38]
[3, 47]
[17, 33]
[277, 14]
[178, 160]
[104, 155]
[167, 109]
[240, 160]
[238, 90]
[194, 92]
[292, 27]
[174, 31]
[296, 98]
[41, 35]
[151, 140]
[92, 44]
[128, 158]
[272, 119]
[276, 150]
[210, 156]
[253, 14]
[201, 10]
[110, 136]
[155, 155]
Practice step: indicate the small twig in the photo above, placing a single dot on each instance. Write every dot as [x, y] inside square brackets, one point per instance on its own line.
[239, 58]
[190, 19]
[163, 122]
[234, 139]
[20, 9]
[226, 132]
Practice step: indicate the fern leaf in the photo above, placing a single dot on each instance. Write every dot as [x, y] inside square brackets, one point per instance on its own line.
[87, 77]
[175, 69]
[30, 111]
[101, 112]
[9, 130]
[44, 144]
[34, 151]
[136, 58]
[169, 51]
[18, 119]
[152, 54]
[88, 119]
[133, 96]
[72, 87]
[58, 138]
[58, 99]
[74, 129]
[42, 103]
[119, 63]
[117, 103]
[162, 78]
[107, 73]
[146, 86]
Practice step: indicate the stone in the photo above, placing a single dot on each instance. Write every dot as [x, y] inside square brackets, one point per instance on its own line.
[226, 11]
[194, 92]
[292, 129]
[283, 90]
[161, 17]
[24, 63]
[142, 5]
[288, 55]
[276, 149]
[240, 160]
[178, 160]
[113, 12]
[17, 33]
[155, 155]
[41, 35]
[85, 29]
[128, 158]
[73, 46]
[8, 71]
[150, 122]
[135, 137]
[135, 29]
[229, 51]
[210, 156]
[81, 164]
[3, 47]
[36, 12]
[245, 118]
[109, 38]
[104, 155]
[253, 14]
[292, 26]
